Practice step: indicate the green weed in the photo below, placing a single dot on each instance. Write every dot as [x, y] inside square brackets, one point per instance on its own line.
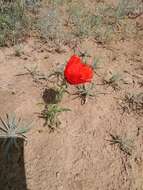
[11, 130]
[84, 92]
[50, 115]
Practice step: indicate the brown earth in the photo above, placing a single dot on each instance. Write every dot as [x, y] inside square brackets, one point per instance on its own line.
[77, 155]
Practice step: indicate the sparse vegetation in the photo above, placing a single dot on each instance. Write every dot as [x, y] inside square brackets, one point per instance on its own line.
[57, 76]
[50, 115]
[11, 130]
[113, 81]
[14, 22]
[18, 51]
[83, 92]
[133, 103]
[124, 144]
[103, 23]
[34, 72]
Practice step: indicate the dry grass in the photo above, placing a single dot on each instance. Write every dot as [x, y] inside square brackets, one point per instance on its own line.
[133, 103]
[17, 18]
[124, 144]
[102, 23]
[14, 23]
[113, 81]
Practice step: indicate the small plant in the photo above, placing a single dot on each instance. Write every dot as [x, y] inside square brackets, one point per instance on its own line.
[124, 144]
[35, 74]
[32, 71]
[84, 92]
[11, 130]
[58, 75]
[113, 81]
[50, 115]
[18, 51]
[61, 90]
[133, 102]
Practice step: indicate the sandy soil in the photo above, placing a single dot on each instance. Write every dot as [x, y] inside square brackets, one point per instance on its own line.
[77, 156]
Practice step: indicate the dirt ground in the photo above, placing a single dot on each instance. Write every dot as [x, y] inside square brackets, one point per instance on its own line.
[78, 155]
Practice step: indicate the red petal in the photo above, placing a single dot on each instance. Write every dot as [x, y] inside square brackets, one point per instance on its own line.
[76, 72]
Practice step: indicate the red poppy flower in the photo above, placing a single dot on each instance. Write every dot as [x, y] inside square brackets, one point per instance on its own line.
[76, 72]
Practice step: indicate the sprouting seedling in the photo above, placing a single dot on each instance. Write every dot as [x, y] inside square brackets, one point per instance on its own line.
[113, 81]
[84, 92]
[11, 130]
[125, 145]
[50, 115]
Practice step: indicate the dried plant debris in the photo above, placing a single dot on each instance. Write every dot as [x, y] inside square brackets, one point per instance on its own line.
[124, 144]
[57, 75]
[133, 103]
[113, 81]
